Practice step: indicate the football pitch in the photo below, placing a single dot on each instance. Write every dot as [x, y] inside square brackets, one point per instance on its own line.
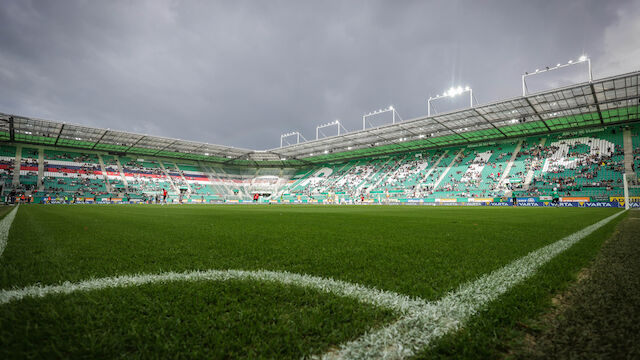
[150, 281]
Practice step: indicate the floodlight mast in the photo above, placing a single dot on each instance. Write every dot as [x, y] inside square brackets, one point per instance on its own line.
[580, 60]
[296, 133]
[333, 123]
[394, 114]
[452, 92]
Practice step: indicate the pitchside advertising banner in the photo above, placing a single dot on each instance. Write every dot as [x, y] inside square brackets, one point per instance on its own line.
[634, 201]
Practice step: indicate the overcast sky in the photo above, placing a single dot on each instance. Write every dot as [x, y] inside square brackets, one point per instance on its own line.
[240, 73]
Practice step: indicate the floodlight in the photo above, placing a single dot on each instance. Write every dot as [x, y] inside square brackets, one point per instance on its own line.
[293, 133]
[335, 123]
[452, 92]
[391, 109]
[583, 58]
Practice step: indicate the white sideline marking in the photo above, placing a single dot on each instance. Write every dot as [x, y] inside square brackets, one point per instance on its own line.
[416, 330]
[5, 225]
[386, 299]
[420, 322]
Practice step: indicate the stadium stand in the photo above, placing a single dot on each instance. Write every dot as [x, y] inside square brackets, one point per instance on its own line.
[587, 163]
[72, 174]
[583, 163]
[7, 162]
[28, 179]
[573, 140]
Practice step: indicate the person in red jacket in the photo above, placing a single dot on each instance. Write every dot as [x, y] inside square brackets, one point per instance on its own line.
[164, 195]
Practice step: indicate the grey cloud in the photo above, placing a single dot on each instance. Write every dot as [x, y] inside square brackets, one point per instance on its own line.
[241, 73]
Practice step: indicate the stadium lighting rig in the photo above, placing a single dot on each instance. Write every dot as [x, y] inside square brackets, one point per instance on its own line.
[581, 59]
[293, 133]
[333, 123]
[391, 109]
[452, 92]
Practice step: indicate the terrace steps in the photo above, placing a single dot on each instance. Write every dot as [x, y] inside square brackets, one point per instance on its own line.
[166, 173]
[527, 180]
[40, 169]
[104, 173]
[124, 178]
[435, 165]
[16, 168]
[376, 174]
[507, 169]
[446, 171]
[628, 151]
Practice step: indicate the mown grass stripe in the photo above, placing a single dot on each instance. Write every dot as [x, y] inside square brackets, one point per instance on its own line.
[5, 226]
[416, 330]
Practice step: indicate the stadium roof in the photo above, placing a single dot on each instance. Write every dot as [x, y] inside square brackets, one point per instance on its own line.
[612, 100]
[601, 102]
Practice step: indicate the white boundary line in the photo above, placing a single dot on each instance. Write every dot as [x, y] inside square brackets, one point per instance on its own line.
[416, 330]
[386, 299]
[5, 225]
[420, 322]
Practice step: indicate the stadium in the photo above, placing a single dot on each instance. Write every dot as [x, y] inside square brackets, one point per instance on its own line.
[505, 229]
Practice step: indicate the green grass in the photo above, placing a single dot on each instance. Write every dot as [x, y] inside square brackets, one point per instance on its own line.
[196, 320]
[598, 317]
[4, 210]
[417, 251]
[493, 332]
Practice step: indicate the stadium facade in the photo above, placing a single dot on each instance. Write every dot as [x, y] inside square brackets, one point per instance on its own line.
[577, 142]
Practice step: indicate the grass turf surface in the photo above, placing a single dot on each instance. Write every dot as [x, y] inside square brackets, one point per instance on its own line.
[598, 317]
[228, 319]
[417, 251]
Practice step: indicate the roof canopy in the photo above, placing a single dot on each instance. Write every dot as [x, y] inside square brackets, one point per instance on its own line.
[601, 102]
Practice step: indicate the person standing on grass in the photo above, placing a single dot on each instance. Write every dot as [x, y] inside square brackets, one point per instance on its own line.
[556, 197]
[164, 195]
